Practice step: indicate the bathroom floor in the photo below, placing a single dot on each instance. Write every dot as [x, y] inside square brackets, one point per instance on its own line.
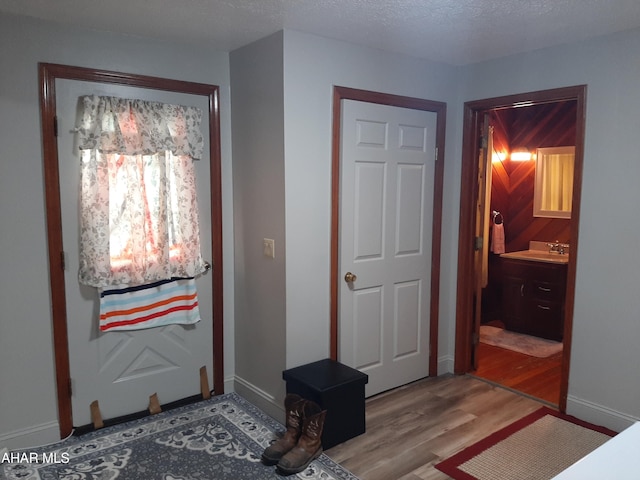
[538, 377]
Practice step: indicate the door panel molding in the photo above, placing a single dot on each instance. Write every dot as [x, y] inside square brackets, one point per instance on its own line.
[473, 112]
[48, 73]
[440, 108]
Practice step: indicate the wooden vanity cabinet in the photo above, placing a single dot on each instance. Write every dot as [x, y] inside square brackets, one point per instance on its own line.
[533, 297]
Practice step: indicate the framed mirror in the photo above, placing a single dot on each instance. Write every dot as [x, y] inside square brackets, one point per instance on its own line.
[553, 188]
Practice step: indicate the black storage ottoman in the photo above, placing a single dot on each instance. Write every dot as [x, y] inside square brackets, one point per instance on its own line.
[339, 390]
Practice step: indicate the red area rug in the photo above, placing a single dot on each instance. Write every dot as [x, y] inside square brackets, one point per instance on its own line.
[537, 447]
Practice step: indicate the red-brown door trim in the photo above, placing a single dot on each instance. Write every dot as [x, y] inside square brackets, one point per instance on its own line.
[468, 196]
[440, 108]
[48, 73]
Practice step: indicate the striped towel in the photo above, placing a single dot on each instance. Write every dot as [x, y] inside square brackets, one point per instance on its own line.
[153, 305]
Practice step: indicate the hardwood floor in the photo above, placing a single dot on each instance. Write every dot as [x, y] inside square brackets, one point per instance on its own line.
[539, 377]
[412, 428]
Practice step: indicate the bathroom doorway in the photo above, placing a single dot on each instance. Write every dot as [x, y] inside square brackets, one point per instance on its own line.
[525, 121]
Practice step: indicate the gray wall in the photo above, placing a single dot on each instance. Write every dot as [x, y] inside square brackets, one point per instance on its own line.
[604, 385]
[259, 199]
[313, 65]
[28, 409]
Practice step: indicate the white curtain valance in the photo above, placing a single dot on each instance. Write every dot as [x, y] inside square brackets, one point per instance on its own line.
[139, 127]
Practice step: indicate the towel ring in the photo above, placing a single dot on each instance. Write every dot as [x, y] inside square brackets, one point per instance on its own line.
[497, 220]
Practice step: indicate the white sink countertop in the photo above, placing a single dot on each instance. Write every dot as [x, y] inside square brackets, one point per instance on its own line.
[539, 252]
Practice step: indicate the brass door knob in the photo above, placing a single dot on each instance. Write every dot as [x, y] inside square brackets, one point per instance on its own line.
[350, 277]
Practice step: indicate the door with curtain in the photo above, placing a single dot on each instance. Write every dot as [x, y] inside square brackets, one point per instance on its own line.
[122, 369]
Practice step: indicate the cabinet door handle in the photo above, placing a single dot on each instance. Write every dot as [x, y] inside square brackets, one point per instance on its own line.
[522, 290]
[544, 289]
[544, 307]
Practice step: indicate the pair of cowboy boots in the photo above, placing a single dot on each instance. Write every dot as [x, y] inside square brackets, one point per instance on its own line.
[301, 442]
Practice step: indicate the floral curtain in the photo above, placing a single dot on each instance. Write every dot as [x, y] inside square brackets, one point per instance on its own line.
[131, 127]
[139, 212]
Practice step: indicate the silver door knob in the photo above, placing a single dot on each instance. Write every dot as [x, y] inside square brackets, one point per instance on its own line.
[350, 277]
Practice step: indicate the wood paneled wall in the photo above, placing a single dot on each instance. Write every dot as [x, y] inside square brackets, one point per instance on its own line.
[546, 125]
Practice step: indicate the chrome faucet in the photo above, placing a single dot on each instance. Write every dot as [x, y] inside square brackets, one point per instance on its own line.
[557, 247]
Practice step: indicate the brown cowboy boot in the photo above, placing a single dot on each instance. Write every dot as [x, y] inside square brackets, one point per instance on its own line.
[294, 411]
[309, 445]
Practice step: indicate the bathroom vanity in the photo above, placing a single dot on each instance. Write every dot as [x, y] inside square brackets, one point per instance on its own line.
[533, 292]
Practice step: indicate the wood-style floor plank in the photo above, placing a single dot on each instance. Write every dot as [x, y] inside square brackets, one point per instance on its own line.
[412, 428]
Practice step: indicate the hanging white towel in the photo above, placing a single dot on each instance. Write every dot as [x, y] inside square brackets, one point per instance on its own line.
[497, 238]
[153, 305]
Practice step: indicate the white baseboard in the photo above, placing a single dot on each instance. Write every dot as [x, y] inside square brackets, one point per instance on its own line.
[229, 384]
[34, 436]
[599, 414]
[261, 399]
[445, 364]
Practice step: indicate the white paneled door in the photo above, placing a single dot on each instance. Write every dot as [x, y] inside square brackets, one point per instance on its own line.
[387, 179]
[122, 369]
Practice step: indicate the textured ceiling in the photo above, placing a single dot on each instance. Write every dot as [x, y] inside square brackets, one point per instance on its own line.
[453, 31]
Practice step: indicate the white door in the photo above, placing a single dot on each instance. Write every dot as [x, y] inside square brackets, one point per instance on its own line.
[122, 369]
[387, 179]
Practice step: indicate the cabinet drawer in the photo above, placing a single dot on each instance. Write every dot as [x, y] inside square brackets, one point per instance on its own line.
[546, 319]
[550, 291]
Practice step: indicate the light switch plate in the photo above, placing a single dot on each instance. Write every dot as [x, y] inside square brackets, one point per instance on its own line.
[269, 247]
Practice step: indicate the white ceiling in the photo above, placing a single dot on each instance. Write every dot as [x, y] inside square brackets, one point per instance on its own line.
[458, 32]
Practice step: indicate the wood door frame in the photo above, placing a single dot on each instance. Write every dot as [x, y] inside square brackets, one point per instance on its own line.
[468, 197]
[440, 109]
[48, 73]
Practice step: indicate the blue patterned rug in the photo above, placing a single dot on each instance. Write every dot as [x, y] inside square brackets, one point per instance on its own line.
[217, 439]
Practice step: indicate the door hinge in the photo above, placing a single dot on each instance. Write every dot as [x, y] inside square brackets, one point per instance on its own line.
[70, 386]
[63, 262]
[483, 141]
[55, 125]
[478, 243]
[436, 154]
[475, 338]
